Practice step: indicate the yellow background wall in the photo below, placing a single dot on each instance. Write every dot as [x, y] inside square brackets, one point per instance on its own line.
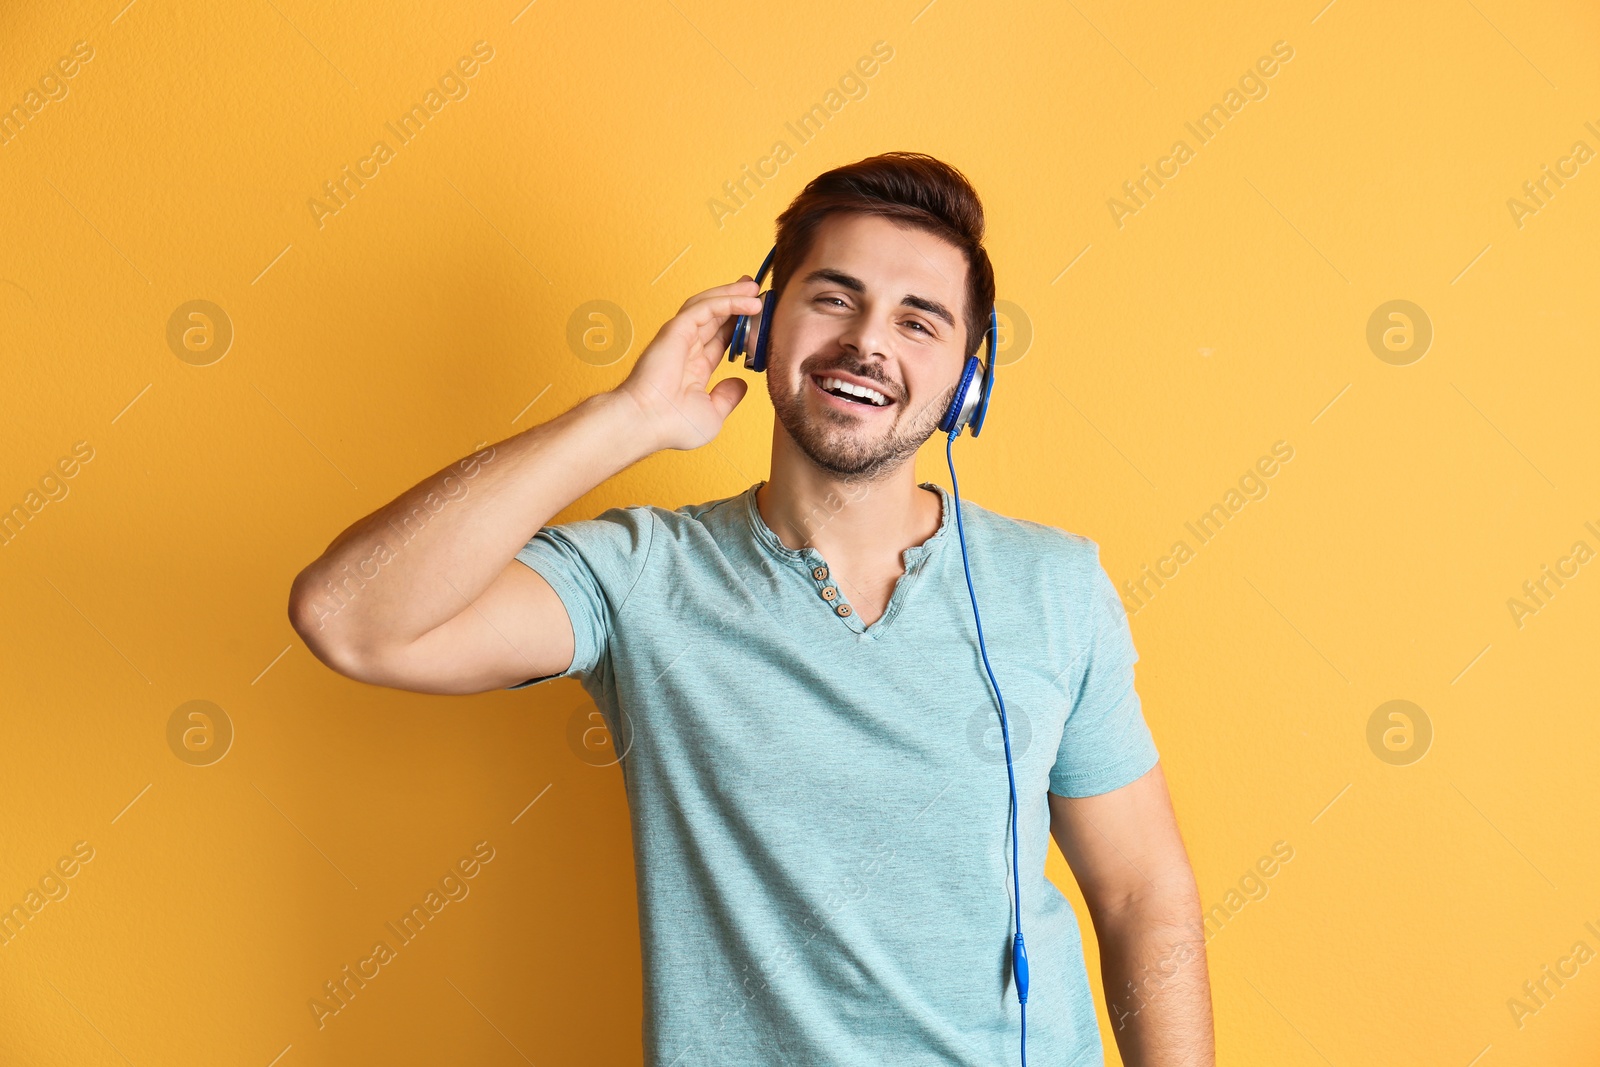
[1171, 348]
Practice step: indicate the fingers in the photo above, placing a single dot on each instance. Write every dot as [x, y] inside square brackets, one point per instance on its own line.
[706, 317]
[708, 320]
[712, 330]
[714, 337]
[726, 394]
[711, 308]
[740, 287]
[719, 344]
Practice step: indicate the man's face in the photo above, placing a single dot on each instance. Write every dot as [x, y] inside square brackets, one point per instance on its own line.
[877, 305]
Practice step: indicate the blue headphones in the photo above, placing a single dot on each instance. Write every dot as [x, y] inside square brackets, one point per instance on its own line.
[967, 407]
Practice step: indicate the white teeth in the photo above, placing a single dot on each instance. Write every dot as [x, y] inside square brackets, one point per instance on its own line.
[855, 390]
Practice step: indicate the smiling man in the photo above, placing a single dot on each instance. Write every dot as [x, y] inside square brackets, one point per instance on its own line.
[810, 744]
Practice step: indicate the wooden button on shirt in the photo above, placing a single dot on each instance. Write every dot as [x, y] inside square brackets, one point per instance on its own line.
[829, 593]
[819, 573]
[843, 610]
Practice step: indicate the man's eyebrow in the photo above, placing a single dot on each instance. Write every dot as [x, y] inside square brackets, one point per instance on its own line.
[856, 285]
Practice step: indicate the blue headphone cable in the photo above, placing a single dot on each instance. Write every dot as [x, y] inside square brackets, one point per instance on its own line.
[1019, 954]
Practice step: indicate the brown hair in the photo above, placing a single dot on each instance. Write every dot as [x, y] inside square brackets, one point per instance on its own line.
[911, 188]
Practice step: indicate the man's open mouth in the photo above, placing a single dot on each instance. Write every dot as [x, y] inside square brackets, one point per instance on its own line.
[850, 392]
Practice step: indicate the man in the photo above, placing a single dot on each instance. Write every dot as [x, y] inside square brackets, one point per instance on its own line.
[811, 746]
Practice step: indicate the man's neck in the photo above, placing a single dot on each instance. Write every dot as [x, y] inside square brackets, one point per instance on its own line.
[856, 524]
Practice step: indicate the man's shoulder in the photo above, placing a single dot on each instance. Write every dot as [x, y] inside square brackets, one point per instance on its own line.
[681, 523]
[707, 512]
[1048, 568]
[1028, 540]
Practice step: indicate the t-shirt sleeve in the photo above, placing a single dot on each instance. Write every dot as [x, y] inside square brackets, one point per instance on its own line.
[593, 565]
[1106, 743]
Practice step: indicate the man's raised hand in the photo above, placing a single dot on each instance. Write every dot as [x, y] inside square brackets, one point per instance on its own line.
[668, 382]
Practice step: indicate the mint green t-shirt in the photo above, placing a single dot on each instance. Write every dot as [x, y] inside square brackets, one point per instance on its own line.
[819, 807]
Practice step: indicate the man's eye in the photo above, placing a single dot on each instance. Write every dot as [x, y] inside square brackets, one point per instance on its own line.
[839, 302]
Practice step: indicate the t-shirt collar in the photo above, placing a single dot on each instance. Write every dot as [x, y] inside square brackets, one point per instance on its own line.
[809, 557]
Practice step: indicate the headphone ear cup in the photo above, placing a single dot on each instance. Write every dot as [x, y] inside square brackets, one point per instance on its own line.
[986, 387]
[758, 360]
[741, 324]
[967, 387]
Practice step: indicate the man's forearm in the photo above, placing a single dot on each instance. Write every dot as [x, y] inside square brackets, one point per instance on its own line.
[1153, 965]
[462, 525]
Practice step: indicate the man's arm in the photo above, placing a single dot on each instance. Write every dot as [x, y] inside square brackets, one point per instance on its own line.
[1125, 850]
[426, 593]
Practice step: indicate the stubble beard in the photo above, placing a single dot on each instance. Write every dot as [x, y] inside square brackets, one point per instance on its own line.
[835, 442]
